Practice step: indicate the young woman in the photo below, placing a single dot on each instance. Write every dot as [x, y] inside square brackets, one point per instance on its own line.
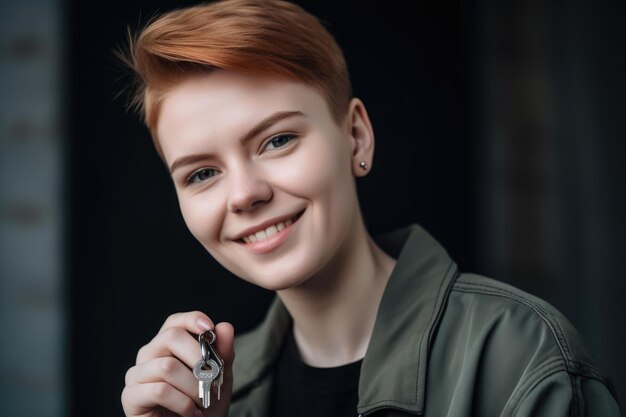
[249, 106]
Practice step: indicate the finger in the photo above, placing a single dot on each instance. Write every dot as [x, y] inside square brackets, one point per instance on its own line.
[193, 321]
[140, 399]
[169, 370]
[225, 338]
[174, 341]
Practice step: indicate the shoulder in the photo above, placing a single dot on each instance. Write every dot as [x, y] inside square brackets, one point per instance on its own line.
[510, 344]
[522, 318]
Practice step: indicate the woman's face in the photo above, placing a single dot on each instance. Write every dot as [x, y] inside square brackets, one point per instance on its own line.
[263, 174]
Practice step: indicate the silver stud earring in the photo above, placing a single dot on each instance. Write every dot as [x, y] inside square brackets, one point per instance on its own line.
[363, 165]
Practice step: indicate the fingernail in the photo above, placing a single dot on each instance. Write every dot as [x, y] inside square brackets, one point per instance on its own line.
[199, 413]
[204, 324]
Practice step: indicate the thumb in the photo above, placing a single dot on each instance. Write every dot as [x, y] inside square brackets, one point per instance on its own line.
[225, 341]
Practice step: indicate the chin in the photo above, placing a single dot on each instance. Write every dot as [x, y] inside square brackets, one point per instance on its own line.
[278, 276]
[283, 269]
[277, 282]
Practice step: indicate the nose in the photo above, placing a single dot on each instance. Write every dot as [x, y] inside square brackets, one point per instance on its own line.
[248, 190]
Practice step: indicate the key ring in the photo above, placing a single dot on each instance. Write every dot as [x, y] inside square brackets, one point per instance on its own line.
[203, 335]
[205, 344]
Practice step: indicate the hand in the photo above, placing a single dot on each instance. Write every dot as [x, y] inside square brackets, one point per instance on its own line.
[162, 384]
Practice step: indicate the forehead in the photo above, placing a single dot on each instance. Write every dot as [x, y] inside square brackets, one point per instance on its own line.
[226, 103]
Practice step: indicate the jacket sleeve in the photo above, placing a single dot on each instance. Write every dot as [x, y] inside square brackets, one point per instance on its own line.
[565, 395]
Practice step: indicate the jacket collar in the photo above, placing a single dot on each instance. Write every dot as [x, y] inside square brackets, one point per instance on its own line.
[393, 373]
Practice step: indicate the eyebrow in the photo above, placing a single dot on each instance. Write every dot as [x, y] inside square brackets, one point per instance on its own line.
[256, 130]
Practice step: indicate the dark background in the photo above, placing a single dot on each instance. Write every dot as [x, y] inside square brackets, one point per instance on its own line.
[499, 129]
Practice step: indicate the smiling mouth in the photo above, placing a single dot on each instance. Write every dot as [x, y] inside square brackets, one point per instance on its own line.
[270, 231]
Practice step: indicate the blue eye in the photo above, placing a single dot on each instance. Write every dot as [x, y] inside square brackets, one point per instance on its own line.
[279, 142]
[200, 176]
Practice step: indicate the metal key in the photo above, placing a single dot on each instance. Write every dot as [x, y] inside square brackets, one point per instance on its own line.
[206, 372]
[210, 369]
[220, 378]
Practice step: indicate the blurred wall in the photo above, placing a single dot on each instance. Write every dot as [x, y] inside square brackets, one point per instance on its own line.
[33, 327]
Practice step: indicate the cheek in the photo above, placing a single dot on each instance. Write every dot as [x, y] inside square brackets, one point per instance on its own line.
[201, 217]
[321, 168]
[322, 174]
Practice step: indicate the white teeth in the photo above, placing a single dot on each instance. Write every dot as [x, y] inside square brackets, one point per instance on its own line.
[270, 231]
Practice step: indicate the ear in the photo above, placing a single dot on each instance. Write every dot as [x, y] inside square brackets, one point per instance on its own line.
[361, 138]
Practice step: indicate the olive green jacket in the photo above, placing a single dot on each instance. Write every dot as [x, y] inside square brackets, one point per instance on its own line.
[447, 344]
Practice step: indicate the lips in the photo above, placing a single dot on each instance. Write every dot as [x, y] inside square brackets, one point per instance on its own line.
[268, 232]
[267, 229]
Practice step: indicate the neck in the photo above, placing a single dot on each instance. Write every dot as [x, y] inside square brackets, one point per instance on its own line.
[334, 311]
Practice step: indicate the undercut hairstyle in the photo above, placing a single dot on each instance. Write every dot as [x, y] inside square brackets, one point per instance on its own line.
[254, 37]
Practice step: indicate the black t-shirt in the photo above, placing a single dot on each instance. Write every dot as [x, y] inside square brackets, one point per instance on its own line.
[301, 390]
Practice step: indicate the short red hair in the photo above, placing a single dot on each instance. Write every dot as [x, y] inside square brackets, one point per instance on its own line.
[264, 37]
